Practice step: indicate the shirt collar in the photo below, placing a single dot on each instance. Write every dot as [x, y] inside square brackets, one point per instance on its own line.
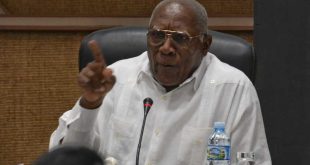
[201, 70]
[145, 70]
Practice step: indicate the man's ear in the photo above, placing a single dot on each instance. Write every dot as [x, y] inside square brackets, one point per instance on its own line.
[207, 40]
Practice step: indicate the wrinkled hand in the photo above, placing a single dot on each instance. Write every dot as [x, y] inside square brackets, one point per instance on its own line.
[95, 79]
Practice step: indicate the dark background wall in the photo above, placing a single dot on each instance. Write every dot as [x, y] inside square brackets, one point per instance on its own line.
[281, 40]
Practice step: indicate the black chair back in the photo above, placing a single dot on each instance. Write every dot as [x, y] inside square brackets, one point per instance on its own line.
[126, 42]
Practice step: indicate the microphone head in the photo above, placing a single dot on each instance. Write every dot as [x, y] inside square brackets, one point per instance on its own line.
[148, 102]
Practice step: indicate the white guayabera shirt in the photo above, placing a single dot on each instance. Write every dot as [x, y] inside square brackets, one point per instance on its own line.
[180, 121]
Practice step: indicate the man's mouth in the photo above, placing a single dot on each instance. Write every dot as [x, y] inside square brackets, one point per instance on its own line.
[166, 68]
[165, 65]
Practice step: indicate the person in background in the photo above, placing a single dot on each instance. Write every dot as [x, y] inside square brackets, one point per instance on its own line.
[190, 87]
[70, 155]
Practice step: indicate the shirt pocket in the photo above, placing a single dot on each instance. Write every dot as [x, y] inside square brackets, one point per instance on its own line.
[192, 147]
[122, 137]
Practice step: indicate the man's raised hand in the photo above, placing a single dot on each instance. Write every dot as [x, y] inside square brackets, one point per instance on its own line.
[95, 79]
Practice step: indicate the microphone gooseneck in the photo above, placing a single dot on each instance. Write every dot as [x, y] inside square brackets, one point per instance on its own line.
[147, 104]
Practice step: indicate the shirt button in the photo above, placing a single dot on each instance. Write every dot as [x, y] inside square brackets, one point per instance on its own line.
[157, 131]
[117, 135]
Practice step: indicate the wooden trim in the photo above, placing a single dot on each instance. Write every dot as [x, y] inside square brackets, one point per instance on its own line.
[231, 23]
[94, 23]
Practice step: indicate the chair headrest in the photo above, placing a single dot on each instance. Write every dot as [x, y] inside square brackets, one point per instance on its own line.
[126, 42]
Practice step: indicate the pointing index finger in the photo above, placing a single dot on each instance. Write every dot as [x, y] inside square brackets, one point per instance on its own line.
[97, 54]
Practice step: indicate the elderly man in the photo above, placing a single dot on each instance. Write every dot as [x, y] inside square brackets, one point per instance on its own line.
[190, 87]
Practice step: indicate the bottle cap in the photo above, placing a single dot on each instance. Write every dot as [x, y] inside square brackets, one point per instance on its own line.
[110, 161]
[219, 124]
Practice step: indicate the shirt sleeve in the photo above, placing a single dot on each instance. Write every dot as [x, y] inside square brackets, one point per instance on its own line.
[248, 133]
[76, 126]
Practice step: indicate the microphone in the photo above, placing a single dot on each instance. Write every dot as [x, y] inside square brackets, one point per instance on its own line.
[147, 104]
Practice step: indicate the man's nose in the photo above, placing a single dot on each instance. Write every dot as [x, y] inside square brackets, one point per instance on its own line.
[168, 46]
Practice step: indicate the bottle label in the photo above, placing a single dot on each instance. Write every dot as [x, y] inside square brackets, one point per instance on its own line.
[216, 152]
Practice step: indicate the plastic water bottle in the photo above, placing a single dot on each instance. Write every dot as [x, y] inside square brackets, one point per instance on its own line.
[218, 149]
